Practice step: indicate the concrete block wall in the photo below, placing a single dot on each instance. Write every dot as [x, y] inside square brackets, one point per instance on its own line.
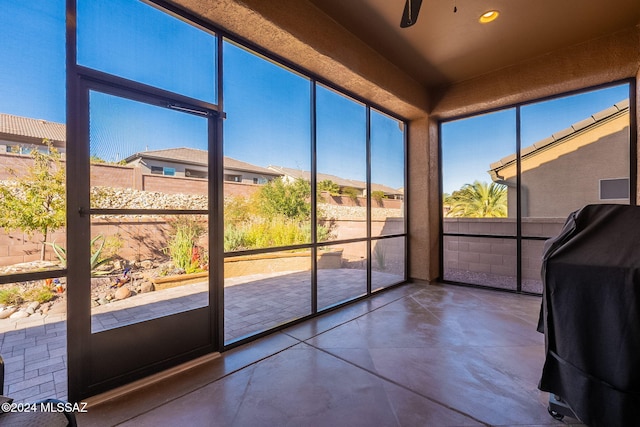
[13, 162]
[145, 238]
[496, 256]
[108, 175]
[18, 247]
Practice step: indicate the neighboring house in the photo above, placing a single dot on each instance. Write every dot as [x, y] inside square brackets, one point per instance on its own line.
[192, 163]
[292, 174]
[583, 164]
[20, 135]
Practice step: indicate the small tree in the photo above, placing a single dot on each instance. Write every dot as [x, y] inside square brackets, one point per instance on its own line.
[351, 193]
[35, 201]
[329, 186]
[378, 196]
[478, 200]
[288, 199]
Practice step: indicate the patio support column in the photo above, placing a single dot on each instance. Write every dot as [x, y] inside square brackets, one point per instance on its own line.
[422, 199]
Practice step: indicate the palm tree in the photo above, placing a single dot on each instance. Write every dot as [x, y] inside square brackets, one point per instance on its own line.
[478, 200]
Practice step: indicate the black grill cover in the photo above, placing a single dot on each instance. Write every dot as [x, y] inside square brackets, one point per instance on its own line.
[591, 315]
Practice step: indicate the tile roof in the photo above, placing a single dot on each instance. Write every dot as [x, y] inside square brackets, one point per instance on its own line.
[342, 182]
[196, 156]
[31, 128]
[564, 134]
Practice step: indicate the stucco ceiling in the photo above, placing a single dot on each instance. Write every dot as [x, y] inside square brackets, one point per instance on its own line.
[444, 47]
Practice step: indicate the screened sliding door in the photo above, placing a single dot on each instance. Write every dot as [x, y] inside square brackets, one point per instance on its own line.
[144, 255]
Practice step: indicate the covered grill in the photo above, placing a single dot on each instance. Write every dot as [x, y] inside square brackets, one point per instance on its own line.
[591, 315]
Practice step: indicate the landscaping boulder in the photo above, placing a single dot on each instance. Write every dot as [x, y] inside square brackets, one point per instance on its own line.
[33, 307]
[147, 286]
[7, 312]
[20, 314]
[122, 293]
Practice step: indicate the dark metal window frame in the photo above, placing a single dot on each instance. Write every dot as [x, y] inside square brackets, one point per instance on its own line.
[519, 237]
[75, 73]
[81, 82]
[76, 78]
[314, 245]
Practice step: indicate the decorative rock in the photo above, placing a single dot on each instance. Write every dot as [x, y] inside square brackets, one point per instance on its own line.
[146, 264]
[20, 314]
[7, 312]
[123, 293]
[59, 307]
[147, 287]
[34, 305]
[103, 301]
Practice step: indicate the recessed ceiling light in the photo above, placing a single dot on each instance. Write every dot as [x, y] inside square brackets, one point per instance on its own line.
[488, 16]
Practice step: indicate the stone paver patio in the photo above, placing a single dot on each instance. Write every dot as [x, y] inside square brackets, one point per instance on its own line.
[34, 348]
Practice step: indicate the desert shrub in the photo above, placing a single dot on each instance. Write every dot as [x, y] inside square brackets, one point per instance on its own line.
[351, 193]
[97, 258]
[324, 233]
[377, 195]
[41, 295]
[11, 296]
[329, 186]
[237, 209]
[112, 245]
[380, 256]
[278, 214]
[278, 198]
[234, 238]
[182, 247]
[276, 232]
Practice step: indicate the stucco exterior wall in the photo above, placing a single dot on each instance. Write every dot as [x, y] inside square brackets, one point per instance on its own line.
[557, 188]
[600, 61]
[565, 176]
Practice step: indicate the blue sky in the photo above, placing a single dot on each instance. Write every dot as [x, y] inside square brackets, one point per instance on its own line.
[470, 145]
[32, 81]
[268, 108]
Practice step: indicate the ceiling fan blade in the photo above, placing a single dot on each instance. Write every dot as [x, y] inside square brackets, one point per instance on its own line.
[410, 14]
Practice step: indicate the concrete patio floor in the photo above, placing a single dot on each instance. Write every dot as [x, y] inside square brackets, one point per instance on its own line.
[416, 355]
[34, 348]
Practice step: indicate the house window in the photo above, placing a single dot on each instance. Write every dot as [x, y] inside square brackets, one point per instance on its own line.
[614, 189]
[191, 173]
[20, 149]
[160, 170]
[233, 178]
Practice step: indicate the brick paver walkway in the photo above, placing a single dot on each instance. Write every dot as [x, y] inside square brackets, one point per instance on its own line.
[34, 348]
